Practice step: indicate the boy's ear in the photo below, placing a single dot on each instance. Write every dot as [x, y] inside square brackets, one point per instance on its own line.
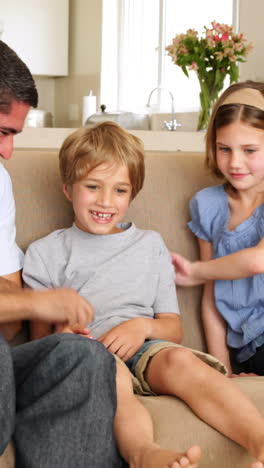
[67, 191]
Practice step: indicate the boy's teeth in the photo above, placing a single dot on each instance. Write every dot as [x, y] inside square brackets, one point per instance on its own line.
[102, 215]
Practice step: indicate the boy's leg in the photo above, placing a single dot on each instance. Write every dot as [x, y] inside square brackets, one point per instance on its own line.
[134, 432]
[7, 395]
[213, 397]
[66, 402]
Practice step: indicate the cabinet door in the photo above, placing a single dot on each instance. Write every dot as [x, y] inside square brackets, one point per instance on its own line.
[38, 31]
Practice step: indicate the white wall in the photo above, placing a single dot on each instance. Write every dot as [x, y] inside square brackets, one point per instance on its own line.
[84, 62]
[251, 23]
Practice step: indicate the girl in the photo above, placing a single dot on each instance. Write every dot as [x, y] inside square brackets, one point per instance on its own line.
[226, 219]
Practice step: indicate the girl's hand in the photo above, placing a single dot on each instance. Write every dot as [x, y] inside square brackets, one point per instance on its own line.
[184, 269]
[125, 339]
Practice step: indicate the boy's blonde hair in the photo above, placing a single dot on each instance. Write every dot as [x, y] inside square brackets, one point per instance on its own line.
[107, 142]
[226, 114]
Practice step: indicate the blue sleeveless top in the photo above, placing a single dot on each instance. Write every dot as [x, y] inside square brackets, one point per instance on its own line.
[240, 302]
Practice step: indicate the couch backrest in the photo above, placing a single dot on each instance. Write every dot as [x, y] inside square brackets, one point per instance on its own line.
[162, 205]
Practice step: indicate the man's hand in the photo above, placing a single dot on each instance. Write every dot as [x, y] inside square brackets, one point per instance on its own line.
[184, 269]
[125, 339]
[63, 306]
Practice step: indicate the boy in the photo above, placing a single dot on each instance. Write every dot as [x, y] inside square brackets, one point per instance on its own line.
[127, 276]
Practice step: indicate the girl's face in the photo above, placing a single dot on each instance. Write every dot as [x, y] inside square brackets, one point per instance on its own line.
[101, 199]
[240, 155]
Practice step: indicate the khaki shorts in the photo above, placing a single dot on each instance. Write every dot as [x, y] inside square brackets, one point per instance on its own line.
[140, 385]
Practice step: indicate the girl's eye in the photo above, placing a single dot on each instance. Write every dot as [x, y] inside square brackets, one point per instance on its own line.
[250, 150]
[92, 187]
[224, 149]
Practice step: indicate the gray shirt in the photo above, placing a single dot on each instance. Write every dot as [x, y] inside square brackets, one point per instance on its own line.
[123, 275]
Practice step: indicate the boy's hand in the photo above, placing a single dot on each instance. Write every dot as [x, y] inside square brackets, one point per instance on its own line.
[77, 329]
[62, 306]
[125, 339]
[184, 270]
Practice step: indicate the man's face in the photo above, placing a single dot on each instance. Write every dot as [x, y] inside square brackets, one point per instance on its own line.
[11, 124]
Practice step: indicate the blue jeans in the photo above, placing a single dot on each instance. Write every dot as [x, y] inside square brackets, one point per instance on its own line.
[132, 362]
[58, 401]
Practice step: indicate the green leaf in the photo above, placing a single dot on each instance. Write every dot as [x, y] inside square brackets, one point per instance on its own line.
[184, 69]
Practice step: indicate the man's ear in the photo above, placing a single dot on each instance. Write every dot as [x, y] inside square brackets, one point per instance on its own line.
[67, 191]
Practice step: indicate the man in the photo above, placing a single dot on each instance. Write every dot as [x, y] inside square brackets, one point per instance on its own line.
[57, 394]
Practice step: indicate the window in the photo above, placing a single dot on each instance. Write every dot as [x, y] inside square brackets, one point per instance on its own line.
[134, 60]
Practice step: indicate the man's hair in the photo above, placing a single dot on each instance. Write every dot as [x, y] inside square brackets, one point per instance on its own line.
[107, 142]
[16, 81]
[226, 114]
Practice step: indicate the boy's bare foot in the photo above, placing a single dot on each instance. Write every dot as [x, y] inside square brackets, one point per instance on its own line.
[257, 465]
[156, 457]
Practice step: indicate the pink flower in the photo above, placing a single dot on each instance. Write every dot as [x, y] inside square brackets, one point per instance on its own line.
[225, 37]
[194, 66]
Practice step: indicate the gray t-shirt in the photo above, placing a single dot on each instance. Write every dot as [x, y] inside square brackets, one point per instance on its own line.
[123, 275]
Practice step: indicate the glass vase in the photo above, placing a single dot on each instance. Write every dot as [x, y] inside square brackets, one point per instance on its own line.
[210, 88]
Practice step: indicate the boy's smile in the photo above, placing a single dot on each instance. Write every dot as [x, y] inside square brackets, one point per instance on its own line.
[100, 200]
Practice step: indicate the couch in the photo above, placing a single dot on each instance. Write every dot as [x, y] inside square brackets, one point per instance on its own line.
[171, 179]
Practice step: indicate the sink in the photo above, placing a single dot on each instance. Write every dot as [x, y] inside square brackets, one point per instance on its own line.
[188, 121]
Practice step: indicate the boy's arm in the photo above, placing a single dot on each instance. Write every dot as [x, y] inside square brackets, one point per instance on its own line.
[125, 339]
[213, 323]
[241, 264]
[165, 327]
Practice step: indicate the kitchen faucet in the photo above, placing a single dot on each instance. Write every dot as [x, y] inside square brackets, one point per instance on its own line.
[171, 124]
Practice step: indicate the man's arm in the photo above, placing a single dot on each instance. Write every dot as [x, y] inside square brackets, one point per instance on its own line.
[11, 283]
[62, 306]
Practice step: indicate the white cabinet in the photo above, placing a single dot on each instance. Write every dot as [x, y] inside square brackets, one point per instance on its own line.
[38, 31]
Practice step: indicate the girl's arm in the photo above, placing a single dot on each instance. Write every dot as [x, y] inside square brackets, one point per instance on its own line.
[246, 262]
[214, 325]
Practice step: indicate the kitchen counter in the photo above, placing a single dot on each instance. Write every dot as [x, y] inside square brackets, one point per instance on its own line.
[52, 138]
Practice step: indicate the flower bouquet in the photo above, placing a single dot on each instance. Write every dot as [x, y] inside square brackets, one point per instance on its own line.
[213, 56]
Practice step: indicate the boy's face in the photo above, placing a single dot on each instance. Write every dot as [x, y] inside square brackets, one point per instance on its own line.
[100, 200]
